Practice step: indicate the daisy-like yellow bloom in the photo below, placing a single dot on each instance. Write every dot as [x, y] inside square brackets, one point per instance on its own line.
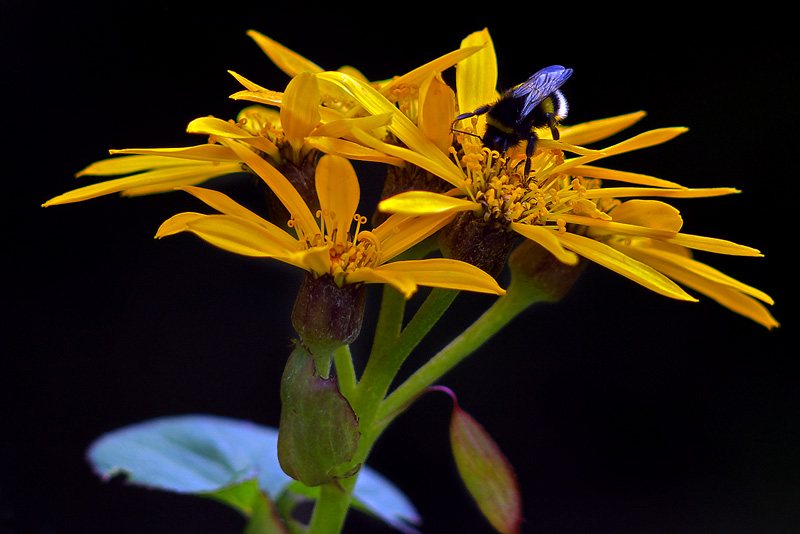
[331, 242]
[561, 204]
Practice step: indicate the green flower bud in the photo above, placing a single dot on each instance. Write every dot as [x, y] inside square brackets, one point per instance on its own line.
[483, 244]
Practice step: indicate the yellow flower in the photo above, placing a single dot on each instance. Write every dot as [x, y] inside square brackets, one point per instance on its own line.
[326, 244]
[560, 204]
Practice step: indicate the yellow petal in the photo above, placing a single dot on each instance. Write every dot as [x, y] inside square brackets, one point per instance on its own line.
[547, 239]
[288, 61]
[400, 232]
[649, 213]
[402, 282]
[444, 169]
[588, 132]
[351, 150]
[156, 181]
[220, 128]
[338, 192]
[435, 272]
[603, 227]
[425, 203]
[620, 192]
[599, 227]
[316, 260]
[417, 76]
[589, 171]
[131, 164]
[300, 109]
[207, 152]
[437, 112]
[671, 263]
[258, 119]
[712, 244]
[376, 104]
[729, 292]
[226, 205]
[282, 188]
[255, 92]
[177, 223]
[620, 263]
[476, 75]
[342, 127]
[644, 140]
[239, 236]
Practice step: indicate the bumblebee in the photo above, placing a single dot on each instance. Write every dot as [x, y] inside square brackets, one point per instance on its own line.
[535, 103]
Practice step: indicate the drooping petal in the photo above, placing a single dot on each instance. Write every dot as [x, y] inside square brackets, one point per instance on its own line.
[282, 188]
[425, 203]
[434, 272]
[599, 227]
[300, 109]
[177, 223]
[287, 60]
[729, 292]
[237, 235]
[588, 132]
[437, 111]
[547, 239]
[400, 232]
[224, 204]
[338, 191]
[618, 262]
[402, 282]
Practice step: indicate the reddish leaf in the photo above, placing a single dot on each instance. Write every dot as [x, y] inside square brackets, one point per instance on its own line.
[486, 472]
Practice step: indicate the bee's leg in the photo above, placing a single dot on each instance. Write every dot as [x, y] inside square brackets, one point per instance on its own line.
[553, 123]
[529, 150]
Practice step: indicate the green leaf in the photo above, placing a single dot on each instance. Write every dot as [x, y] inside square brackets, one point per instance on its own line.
[486, 472]
[229, 460]
[318, 432]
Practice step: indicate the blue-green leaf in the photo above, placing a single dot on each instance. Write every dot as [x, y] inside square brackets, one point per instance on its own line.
[218, 457]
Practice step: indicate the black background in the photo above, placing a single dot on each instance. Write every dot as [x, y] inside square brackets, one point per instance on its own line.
[621, 411]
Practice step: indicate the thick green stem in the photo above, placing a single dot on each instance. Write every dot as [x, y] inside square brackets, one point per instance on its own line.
[386, 358]
[332, 506]
[486, 326]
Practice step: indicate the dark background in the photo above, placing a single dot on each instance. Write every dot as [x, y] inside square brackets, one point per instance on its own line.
[621, 411]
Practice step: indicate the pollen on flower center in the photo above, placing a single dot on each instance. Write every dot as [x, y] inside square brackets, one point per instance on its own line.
[497, 182]
[347, 253]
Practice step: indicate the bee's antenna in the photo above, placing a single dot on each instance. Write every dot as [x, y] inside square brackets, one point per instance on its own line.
[453, 130]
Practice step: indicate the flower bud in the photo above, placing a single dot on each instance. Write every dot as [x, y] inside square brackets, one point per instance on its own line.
[539, 274]
[327, 316]
[485, 245]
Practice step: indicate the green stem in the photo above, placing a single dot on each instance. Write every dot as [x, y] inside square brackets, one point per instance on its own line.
[388, 354]
[486, 326]
[331, 507]
[345, 372]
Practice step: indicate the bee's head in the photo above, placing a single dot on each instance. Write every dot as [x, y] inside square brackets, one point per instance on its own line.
[496, 139]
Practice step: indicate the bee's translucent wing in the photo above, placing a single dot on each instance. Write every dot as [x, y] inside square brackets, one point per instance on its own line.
[539, 86]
